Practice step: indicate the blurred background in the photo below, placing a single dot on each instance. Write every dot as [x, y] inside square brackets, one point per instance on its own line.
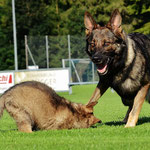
[57, 19]
[51, 33]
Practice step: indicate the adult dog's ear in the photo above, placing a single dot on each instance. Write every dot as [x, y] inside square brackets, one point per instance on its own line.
[115, 24]
[89, 23]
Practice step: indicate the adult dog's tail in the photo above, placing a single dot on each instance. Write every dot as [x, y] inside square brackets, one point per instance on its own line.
[148, 96]
[2, 105]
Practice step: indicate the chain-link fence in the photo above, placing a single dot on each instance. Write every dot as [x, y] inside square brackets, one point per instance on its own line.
[49, 51]
[52, 49]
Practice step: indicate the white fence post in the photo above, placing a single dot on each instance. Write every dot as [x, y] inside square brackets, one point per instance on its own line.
[26, 52]
[14, 35]
[47, 54]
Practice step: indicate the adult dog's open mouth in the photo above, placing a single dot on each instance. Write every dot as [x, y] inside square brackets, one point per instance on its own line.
[102, 68]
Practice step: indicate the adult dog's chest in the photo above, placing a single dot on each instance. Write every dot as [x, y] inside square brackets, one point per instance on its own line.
[128, 83]
[125, 86]
[129, 79]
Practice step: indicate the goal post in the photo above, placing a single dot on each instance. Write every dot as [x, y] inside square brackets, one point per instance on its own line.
[82, 71]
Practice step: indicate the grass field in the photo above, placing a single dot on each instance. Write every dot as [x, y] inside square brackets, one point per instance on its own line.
[111, 134]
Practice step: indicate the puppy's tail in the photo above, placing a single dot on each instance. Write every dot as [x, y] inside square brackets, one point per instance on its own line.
[2, 105]
[148, 96]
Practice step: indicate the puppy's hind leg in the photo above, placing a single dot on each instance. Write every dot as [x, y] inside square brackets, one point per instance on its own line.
[24, 126]
[22, 118]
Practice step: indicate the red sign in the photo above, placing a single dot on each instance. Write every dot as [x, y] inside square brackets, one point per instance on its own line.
[6, 81]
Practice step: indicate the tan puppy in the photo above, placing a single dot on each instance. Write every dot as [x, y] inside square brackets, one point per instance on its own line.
[35, 105]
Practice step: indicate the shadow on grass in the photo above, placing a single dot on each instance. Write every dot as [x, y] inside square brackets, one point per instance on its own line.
[140, 122]
[143, 120]
[114, 123]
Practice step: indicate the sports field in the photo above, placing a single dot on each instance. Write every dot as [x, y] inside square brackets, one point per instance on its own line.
[111, 134]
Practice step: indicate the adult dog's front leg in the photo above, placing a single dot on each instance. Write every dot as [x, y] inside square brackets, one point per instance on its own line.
[137, 105]
[100, 89]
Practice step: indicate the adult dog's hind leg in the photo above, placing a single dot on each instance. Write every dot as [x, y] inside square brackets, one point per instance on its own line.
[137, 105]
[127, 114]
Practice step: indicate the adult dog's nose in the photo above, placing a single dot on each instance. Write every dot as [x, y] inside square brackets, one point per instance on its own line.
[95, 59]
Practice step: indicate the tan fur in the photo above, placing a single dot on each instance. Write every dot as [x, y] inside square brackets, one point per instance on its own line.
[130, 54]
[35, 105]
[137, 105]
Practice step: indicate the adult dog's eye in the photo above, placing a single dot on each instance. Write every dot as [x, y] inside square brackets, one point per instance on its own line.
[107, 44]
[92, 44]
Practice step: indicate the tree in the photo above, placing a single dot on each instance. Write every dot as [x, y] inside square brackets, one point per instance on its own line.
[34, 18]
[6, 36]
[139, 12]
[62, 17]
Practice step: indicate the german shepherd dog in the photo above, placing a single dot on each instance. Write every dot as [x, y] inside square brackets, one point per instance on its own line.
[34, 105]
[123, 63]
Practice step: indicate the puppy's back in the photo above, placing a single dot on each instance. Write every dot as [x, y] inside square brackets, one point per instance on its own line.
[35, 98]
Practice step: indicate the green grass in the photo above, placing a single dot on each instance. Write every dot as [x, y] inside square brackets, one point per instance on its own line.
[111, 134]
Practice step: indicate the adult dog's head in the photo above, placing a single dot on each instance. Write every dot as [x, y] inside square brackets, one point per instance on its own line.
[104, 44]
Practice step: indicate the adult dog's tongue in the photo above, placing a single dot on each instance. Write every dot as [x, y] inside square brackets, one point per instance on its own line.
[102, 69]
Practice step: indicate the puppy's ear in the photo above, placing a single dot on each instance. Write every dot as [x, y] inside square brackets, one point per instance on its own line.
[90, 106]
[115, 24]
[89, 23]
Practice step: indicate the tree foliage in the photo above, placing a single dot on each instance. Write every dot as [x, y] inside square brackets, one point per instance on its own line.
[139, 11]
[62, 17]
